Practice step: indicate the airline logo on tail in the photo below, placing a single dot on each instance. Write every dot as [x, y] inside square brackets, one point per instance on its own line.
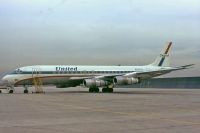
[165, 54]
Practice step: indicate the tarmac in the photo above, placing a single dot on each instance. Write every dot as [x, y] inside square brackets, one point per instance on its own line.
[127, 110]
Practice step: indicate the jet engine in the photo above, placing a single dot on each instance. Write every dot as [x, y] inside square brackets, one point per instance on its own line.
[122, 80]
[94, 82]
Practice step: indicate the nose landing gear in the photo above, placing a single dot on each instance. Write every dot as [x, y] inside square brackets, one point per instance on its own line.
[25, 89]
[10, 89]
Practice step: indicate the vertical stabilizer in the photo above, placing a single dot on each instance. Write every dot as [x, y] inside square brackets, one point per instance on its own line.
[163, 59]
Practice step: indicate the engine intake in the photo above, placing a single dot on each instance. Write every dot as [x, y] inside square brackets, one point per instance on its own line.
[121, 80]
[94, 82]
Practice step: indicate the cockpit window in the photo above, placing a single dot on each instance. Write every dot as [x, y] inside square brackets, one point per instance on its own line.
[17, 71]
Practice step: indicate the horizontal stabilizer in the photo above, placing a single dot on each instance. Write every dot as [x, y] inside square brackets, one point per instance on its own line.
[186, 66]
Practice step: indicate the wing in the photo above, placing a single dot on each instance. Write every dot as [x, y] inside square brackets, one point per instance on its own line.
[147, 74]
[150, 74]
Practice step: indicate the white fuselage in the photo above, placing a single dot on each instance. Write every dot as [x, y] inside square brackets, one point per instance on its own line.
[51, 74]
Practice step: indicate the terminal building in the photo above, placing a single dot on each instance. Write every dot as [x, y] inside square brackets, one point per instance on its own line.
[178, 82]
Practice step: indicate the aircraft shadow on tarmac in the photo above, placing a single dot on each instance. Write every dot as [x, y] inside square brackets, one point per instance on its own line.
[129, 92]
[155, 92]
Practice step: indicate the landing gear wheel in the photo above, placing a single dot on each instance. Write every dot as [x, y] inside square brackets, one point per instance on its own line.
[11, 91]
[0, 91]
[107, 90]
[110, 90]
[94, 89]
[104, 90]
[26, 91]
[91, 89]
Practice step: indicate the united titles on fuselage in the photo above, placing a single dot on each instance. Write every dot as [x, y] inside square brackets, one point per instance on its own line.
[61, 69]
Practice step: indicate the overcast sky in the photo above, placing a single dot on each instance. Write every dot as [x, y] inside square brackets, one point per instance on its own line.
[98, 32]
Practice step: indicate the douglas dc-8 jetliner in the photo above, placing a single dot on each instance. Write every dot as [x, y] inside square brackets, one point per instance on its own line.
[93, 77]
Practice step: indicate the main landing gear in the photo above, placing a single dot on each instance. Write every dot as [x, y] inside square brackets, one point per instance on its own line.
[94, 89]
[107, 90]
[104, 90]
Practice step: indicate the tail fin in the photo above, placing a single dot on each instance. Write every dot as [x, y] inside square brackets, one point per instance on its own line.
[163, 58]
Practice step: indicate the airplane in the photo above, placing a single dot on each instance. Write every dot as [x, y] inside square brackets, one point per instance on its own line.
[93, 77]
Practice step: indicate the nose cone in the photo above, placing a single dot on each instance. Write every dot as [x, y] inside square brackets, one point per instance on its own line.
[4, 81]
[9, 79]
[5, 78]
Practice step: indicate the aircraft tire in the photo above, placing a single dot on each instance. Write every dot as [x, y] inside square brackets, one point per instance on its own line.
[107, 90]
[0, 91]
[10, 91]
[104, 90]
[25, 91]
[96, 90]
[91, 89]
[110, 90]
